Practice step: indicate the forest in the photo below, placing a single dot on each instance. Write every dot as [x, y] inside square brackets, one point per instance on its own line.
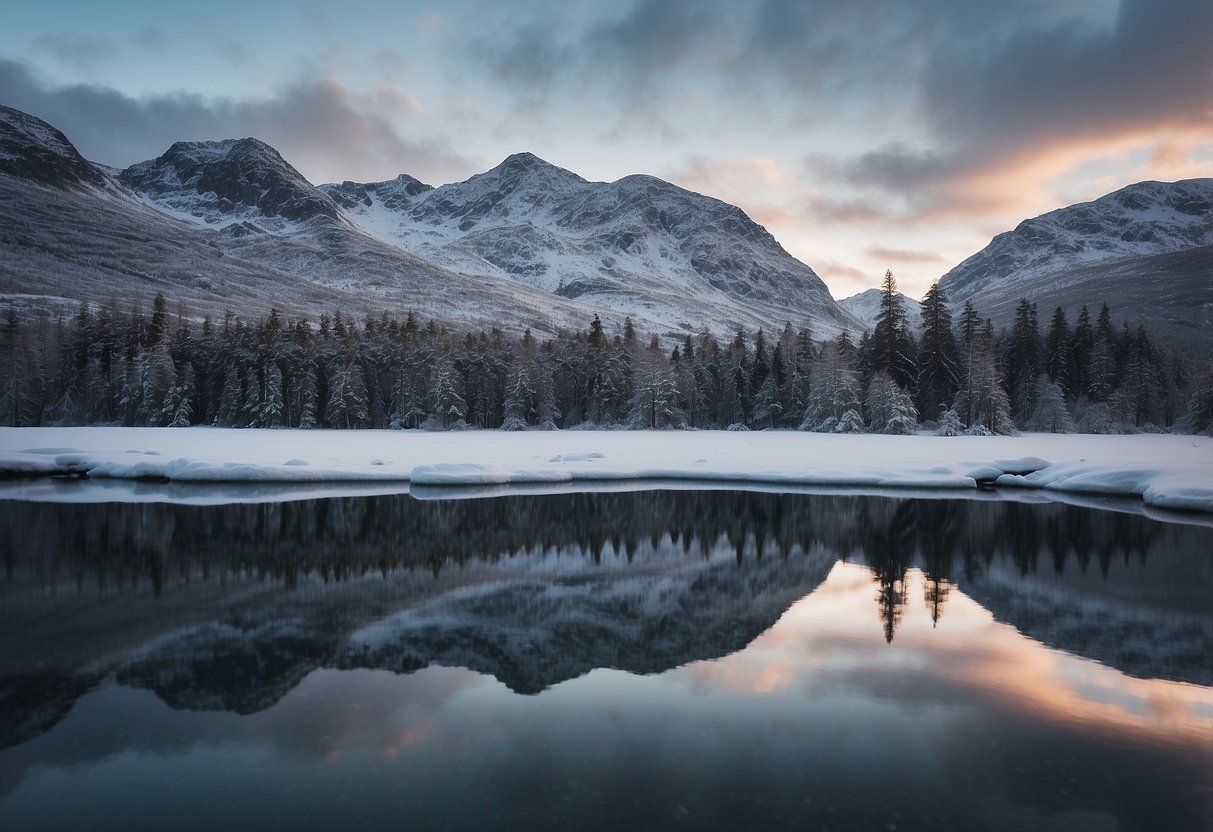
[108, 366]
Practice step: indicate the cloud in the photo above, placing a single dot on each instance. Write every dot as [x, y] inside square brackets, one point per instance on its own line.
[152, 38]
[901, 255]
[236, 54]
[1009, 114]
[843, 279]
[320, 126]
[721, 177]
[80, 52]
[982, 104]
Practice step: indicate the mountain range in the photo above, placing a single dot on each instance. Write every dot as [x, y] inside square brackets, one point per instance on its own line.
[219, 225]
[230, 224]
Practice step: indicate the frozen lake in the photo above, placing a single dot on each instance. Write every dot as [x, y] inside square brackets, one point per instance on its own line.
[611, 660]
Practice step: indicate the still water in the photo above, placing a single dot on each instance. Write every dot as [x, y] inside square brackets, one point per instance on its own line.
[644, 660]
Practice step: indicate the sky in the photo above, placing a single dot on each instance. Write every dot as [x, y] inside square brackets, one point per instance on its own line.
[864, 135]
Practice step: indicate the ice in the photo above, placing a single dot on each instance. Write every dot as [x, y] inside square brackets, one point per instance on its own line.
[1167, 472]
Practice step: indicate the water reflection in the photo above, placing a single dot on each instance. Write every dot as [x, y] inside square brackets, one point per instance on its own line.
[716, 658]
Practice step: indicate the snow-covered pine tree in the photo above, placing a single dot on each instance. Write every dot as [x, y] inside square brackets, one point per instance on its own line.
[889, 408]
[518, 397]
[891, 349]
[273, 408]
[968, 335]
[835, 388]
[849, 422]
[547, 412]
[347, 404]
[1050, 415]
[447, 405]
[949, 423]
[178, 405]
[1199, 418]
[768, 410]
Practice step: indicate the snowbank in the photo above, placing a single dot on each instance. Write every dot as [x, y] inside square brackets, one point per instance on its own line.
[1172, 472]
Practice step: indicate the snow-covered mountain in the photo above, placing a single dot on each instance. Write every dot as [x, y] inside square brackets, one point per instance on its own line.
[1146, 250]
[216, 224]
[221, 226]
[865, 307]
[638, 245]
[226, 182]
[232, 224]
[33, 150]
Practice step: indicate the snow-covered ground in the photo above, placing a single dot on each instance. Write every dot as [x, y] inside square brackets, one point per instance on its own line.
[1173, 472]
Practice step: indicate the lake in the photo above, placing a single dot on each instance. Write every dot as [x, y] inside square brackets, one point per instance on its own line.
[608, 660]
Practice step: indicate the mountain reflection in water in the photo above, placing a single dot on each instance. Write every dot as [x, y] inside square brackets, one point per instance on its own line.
[903, 603]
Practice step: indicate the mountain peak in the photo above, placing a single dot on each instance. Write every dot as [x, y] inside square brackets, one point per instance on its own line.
[32, 149]
[228, 179]
[527, 165]
[524, 159]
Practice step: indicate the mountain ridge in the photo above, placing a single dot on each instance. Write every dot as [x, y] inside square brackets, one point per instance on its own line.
[639, 244]
[1145, 249]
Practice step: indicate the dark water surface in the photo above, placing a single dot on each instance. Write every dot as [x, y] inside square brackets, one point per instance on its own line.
[645, 660]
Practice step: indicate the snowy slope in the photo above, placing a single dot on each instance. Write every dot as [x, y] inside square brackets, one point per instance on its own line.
[638, 245]
[221, 226]
[225, 182]
[1146, 250]
[33, 150]
[865, 306]
[525, 244]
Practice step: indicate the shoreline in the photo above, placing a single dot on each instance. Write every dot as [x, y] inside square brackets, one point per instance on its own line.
[1171, 472]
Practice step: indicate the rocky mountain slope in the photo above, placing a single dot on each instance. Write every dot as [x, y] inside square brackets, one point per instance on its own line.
[638, 245]
[220, 226]
[232, 225]
[1146, 250]
[33, 150]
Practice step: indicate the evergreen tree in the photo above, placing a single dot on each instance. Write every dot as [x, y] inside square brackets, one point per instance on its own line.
[447, 404]
[1200, 404]
[347, 402]
[938, 359]
[1050, 414]
[767, 407]
[835, 389]
[890, 408]
[1057, 348]
[1023, 359]
[892, 347]
[547, 412]
[178, 405]
[273, 409]
[1082, 345]
[949, 423]
[518, 398]
[983, 398]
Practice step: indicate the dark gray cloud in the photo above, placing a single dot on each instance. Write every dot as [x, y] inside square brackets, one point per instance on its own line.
[1012, 102]
[975, 86]
[319, 126]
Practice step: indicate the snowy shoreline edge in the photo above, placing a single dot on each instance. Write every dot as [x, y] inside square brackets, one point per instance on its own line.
[1166, 472]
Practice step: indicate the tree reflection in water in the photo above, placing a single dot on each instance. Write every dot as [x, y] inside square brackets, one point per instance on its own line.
[242, 601]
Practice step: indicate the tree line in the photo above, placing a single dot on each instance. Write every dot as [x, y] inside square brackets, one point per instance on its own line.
[104, 365]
